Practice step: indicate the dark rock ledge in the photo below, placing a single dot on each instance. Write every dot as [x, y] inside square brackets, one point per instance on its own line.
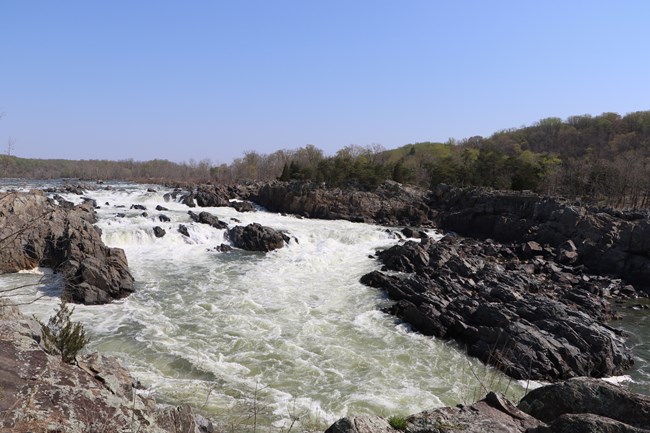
[37, 231]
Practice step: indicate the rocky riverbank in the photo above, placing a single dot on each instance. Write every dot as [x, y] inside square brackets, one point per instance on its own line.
[41, 393]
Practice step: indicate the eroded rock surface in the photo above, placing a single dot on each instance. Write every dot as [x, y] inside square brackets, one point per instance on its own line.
[36, 231]
[40, 393]
[526, 315]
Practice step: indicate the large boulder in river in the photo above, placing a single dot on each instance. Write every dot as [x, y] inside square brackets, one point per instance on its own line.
[256, 237]
[36, 231]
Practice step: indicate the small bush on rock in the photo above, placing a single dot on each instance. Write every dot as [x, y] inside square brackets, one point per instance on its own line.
[61, 336]
[397, 422]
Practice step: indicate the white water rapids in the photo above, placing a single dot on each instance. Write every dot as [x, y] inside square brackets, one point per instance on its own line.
[209, 328]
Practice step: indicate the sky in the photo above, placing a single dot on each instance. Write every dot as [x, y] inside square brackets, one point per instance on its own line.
[195, 80]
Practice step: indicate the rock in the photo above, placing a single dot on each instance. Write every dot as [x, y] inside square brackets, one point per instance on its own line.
[160, 208]
[533, 321]
[163, 218]
[587, 396]
[209, 219]
[242, 206]
[606, 243]
[41, 393]
[212, 196]
[182, 229]
[138, 207]
[361, 424]
[223, 248]
[587, 423]
[492, 414]
[159, 232]
[255, 237]
[391, 204]
[37, 232]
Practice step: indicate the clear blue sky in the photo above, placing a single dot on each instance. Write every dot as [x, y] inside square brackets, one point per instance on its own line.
[212, 79]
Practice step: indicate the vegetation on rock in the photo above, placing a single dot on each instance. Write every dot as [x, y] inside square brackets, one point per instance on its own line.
[61, 336]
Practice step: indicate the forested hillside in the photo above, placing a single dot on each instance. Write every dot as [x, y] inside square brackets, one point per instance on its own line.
[603, 159]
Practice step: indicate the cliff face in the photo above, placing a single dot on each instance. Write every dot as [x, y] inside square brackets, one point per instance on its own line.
[38, 231]
[605, 243]
[391, 204]
[40, 393]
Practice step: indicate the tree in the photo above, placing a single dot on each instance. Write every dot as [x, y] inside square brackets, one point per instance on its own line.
[61, 336]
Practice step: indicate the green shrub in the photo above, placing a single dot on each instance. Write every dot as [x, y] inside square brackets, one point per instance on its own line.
[397, 422]
[63, 337]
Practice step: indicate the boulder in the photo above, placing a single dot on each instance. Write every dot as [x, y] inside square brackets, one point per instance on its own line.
[159, 232]
[587, 396]
[209, 219]
[255, 237]
[35, 231]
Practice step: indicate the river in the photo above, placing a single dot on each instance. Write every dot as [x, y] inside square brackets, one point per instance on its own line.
[289, 334]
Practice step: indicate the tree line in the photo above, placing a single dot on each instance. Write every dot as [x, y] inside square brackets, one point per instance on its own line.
[603, 159]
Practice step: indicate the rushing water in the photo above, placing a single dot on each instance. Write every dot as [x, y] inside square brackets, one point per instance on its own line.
[292, 331]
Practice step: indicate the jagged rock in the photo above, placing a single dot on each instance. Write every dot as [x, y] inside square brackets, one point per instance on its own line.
[543, 324]
[255, 237]
[41, 393]
[163, 218]
[37, 232]
[212, 196]
[361, 424]
[159, 232]
[606, 243]
[209, 219]
[182, 229]
[587, 396]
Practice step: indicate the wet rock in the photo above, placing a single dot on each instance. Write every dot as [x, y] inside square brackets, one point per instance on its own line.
[159, 232]
[38, 232]
[182, 229]
[163, 218]
[255, 237]
[160, 208]
[209, 219]
[138, 207]
[242, 206]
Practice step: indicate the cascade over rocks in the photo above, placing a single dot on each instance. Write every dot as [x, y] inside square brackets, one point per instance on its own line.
[35, 231]
[256, 237]
[528, 316]
[209, 219]
[391, 204]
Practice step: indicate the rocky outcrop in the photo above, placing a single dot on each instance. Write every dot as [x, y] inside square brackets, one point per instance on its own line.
[580, 405]
[492, 414]
[40, 393]
[581, 396]
[391, 204]
[527, 315]
[605, 242]
[256, 237]
[36, 231]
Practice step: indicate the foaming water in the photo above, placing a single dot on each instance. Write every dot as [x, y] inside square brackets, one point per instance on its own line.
[292, 329]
